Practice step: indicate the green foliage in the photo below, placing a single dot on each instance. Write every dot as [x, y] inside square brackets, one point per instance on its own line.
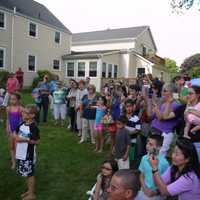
[180, 5]
[190, 62]
[3, 78]
[41, 74]
[39, 77]
[194, 72]
[171, 67]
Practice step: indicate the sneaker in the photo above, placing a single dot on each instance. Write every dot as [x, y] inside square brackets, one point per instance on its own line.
[81, 141]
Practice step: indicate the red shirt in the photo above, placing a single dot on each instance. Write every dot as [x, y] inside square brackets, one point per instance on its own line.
[12, 85]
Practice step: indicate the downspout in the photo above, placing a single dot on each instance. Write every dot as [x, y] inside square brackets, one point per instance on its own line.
[12, 40]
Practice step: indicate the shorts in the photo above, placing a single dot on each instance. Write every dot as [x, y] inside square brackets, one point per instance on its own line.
[25, 168]
[99, 127]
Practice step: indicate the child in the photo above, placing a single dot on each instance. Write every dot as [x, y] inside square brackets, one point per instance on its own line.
[148, 188]
[27, 136]
[59, 106]
[14, 115]
[133, 125]
[110, 126]
[108, 168]
[100, 112]
[122, 143]
[36, 94]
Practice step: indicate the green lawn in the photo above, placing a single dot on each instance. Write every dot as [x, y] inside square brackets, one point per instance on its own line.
[65, 170]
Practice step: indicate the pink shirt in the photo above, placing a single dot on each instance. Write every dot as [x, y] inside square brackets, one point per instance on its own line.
[193, 119]
[12, 85]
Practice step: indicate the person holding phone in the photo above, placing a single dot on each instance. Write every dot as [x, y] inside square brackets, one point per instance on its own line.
[182, 178]
[148, 188]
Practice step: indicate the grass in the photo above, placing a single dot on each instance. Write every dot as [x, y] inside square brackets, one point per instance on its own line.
[65, 170]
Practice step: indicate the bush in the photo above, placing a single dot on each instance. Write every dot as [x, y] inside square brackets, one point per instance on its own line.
[3, 78]
[39, 77]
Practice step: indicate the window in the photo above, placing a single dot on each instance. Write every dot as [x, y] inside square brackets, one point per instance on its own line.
[31, 63]
[56, 64]
[93, 69]
[140, 71]
[110, 71]
[104, 70]
[115, 71]
[81, 69]
[144, 51]
[2, 20]
[2, 58]
[57, 37]
[70, 69]
[32, 29]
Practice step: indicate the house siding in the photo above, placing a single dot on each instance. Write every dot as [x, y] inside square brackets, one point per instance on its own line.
[5, 39]
[43, 46]
[146, 40]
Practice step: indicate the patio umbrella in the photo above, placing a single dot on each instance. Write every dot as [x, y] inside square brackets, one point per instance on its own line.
[195, 81]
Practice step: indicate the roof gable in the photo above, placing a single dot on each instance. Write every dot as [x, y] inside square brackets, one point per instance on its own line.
[109, 34]
[34, 10]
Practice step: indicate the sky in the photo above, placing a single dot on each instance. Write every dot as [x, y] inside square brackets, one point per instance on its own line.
[177, 36]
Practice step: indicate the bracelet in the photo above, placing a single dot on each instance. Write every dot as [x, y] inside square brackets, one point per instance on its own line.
[154, 171]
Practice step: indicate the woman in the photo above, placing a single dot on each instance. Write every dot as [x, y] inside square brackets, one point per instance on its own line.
[164, 117]
[88, 114]
[44, 89]
[192, 116]
[183, 177]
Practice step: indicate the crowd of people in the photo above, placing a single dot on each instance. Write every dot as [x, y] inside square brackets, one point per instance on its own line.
[151, 126]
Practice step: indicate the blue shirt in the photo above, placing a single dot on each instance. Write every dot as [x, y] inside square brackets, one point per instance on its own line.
[100, 112]
[89, 113]
[44, 89]
[53, 86]
[146, 169]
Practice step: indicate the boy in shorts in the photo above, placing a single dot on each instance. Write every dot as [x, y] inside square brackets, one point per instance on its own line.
[27, 136]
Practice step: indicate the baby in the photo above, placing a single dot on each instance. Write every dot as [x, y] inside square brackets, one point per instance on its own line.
[192, 117]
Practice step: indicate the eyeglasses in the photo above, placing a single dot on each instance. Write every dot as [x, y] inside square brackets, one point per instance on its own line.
[106, 168]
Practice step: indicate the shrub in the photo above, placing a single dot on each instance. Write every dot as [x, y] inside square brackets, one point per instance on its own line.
[3, 78]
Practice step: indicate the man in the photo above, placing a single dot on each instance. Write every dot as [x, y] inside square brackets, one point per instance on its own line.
[124, 185]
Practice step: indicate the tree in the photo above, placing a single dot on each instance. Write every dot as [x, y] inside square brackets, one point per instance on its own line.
[180, 5]
[191, 65]
[171, 67]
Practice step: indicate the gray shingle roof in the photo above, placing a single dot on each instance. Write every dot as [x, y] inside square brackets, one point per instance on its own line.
[108, 34]
[35, 10]
[88, 54]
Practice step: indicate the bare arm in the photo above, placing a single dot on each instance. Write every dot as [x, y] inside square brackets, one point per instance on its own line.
[97, 189]
[157, 178]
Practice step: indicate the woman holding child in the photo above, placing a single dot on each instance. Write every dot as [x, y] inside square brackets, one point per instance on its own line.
[192, 117]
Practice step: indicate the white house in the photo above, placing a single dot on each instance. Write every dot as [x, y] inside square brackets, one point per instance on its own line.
[113, 53]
